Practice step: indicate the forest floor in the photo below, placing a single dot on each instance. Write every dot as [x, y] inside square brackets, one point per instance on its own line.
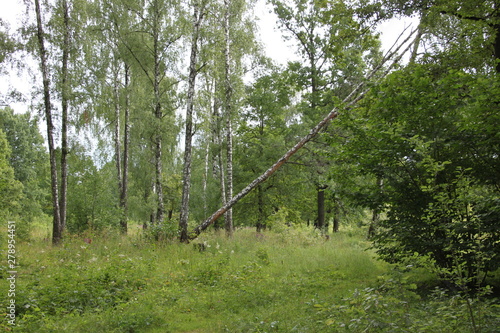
[293, 280]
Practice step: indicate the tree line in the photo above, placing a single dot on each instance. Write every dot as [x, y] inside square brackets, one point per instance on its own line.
[163, 112]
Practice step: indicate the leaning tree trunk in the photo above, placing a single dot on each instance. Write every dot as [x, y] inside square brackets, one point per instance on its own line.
[56, 225]
[356, 95]
[186, 174]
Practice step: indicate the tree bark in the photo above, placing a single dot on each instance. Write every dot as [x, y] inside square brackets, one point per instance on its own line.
[497, 46]
[186, 174]
[336, 216]
[228, 113]
[56, 223]
[64, 124]
[117, 136]
[260, 203]
[321, 207]
[126, 145]
[160, 210]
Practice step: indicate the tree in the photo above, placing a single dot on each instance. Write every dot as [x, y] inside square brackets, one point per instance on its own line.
[439, 170]
[29, 161]
[7, 44]
[57, 229]
[467, 27]
[264, 129]
[109, 61]
[198, 15]
[337, 51]
[228, 113]
[10, 188]
[160, 29]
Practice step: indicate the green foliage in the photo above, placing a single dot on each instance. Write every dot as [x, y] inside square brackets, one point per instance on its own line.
[10, 188]
[7, 43]
[30, 164]
[162, 232]
[417, 132]
[394, 305]
[91, 199]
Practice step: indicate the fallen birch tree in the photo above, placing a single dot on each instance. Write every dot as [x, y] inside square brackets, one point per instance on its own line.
[354, 97]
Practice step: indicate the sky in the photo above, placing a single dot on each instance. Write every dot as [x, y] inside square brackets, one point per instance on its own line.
[13, 10]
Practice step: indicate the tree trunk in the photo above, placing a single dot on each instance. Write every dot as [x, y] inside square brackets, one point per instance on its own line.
[126, 144]
[117, 136]
[376, 212]
[220, 152]
[56, 225]
[260, 203]
[64, 120]
[186, 174]
[497, 46]
[355, 95]
[321, 207]
[228, 114]
[160, 209]
[205, 179]
[336, 216]
[496, 26]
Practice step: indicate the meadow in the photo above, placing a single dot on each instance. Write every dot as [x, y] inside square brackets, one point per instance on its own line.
[289, 280]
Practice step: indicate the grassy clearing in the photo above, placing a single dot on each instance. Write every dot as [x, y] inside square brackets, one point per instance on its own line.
[287, 281]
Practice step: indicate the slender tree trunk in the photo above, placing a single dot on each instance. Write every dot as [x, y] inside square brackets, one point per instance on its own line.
[418, 37]
[56, 225]
[336, 216]
[222, 176]
[205, 179]
[496, 26]
[220, 149]
[321, 207]
[497, 46]
[260, 203]
[126, 143]
[372, 229]
[160, 210]
[260, 191]
[117, 136]
[186, 174]
[64, 124]
[228, 114]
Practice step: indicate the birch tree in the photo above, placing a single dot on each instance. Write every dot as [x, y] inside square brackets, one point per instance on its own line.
[197, 19]
[57, 226]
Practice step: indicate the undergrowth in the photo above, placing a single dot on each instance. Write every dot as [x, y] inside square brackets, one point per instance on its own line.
[293, 280]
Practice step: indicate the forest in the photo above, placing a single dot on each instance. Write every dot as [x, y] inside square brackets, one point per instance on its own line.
[167, 175]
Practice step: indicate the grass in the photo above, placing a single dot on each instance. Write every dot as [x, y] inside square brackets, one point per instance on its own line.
[288, 281]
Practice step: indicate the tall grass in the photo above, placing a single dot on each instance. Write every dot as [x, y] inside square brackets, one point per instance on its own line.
[293, 280]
